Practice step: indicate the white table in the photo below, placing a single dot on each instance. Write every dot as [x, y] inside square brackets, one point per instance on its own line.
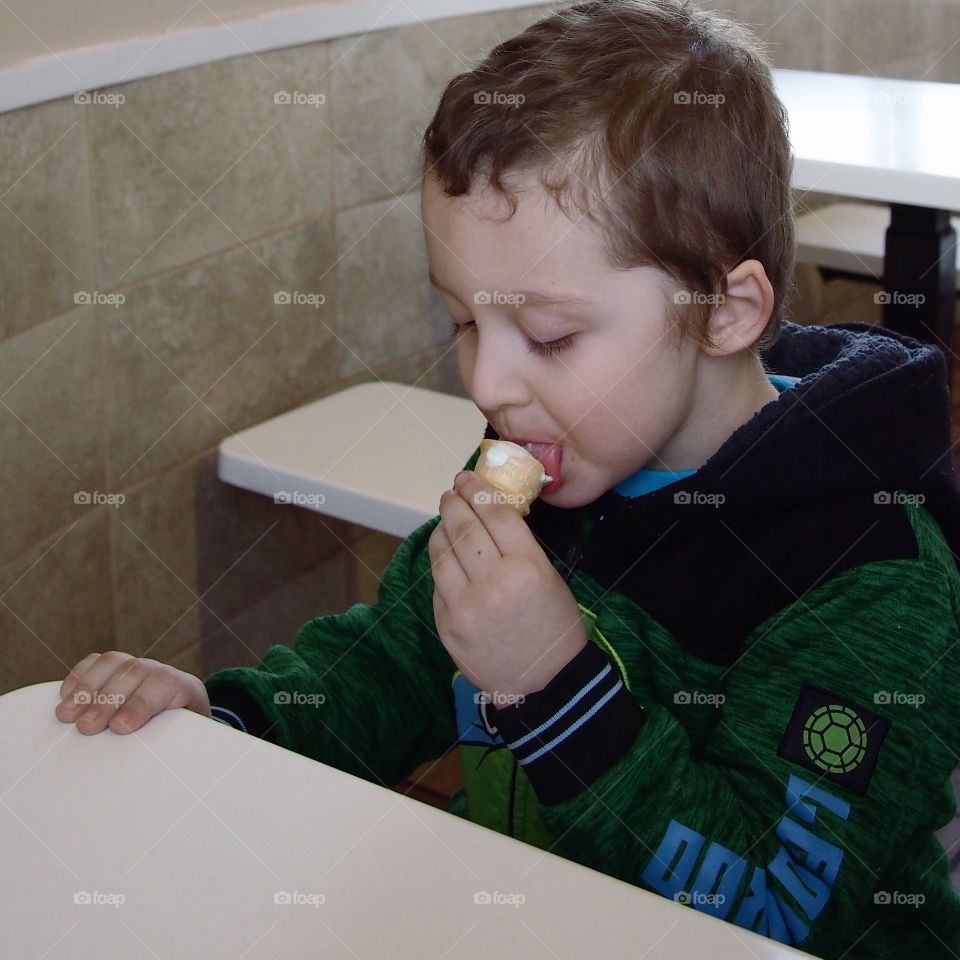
[379, 454]
[182, 835]
[897, 141]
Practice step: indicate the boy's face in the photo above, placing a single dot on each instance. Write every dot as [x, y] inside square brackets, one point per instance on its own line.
[618, 392]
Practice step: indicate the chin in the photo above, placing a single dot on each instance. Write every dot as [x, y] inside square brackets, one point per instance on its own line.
[567, 498]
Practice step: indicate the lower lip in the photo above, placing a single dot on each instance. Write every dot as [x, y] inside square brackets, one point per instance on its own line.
[556, 484]
[551, 488]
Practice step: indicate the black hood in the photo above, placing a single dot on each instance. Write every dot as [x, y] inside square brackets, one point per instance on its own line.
[870, 416]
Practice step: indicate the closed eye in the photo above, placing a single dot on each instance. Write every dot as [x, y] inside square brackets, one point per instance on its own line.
[550, 348]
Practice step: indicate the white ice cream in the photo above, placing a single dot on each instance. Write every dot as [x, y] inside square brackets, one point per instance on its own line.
[500, 452]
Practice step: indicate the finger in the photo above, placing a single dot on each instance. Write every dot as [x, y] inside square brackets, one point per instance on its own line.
[112, 695]
[159, 691]
[448, 575]
[73, 677]
[473, 545]
[504, 525]
[440, 611]
[84, 692]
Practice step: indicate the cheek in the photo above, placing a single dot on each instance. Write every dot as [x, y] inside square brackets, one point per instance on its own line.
[608, 407]
[583, 398]
[464, 357]
[624, 420]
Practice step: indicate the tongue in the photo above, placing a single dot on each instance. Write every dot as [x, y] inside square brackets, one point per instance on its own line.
[549, 455]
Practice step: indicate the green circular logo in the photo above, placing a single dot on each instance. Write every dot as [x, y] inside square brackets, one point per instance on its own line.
[835, 738]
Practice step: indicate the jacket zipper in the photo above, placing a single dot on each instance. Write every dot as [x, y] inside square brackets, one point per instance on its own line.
[575, 550]
[573, 558]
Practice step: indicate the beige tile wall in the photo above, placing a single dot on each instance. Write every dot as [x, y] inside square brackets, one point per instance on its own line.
[190, 206]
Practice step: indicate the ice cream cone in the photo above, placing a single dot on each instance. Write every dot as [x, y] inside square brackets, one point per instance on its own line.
[514, 471]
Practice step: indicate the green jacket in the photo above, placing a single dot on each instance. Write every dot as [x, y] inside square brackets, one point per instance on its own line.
[765, 722]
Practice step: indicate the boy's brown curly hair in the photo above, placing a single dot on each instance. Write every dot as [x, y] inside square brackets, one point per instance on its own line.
[655, 118]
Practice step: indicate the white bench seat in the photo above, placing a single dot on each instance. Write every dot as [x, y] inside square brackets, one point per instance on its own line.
[378, 454]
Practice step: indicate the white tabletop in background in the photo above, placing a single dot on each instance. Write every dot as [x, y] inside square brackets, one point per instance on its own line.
[380, 454]
[892, 140]
[197, 826]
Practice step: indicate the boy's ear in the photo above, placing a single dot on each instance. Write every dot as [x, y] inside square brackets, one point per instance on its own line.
[738, 321]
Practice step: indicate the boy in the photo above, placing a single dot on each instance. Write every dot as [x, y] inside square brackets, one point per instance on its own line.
[718, 659]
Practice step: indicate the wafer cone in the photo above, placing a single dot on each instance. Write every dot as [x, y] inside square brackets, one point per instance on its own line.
[514, 471]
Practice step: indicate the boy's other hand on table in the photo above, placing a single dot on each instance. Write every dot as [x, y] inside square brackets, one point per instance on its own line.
[123, 692]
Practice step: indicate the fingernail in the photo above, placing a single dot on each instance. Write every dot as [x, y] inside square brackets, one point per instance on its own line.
[90, 716]
[461, 475]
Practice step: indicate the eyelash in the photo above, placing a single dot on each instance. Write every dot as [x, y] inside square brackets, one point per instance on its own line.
[552, 348]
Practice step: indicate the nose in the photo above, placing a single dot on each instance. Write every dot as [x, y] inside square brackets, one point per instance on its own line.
[495, 379]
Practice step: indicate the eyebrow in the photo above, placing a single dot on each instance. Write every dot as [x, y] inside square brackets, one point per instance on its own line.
[531, 298]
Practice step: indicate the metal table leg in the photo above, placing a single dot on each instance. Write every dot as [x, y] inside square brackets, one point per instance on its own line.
[919, 272]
